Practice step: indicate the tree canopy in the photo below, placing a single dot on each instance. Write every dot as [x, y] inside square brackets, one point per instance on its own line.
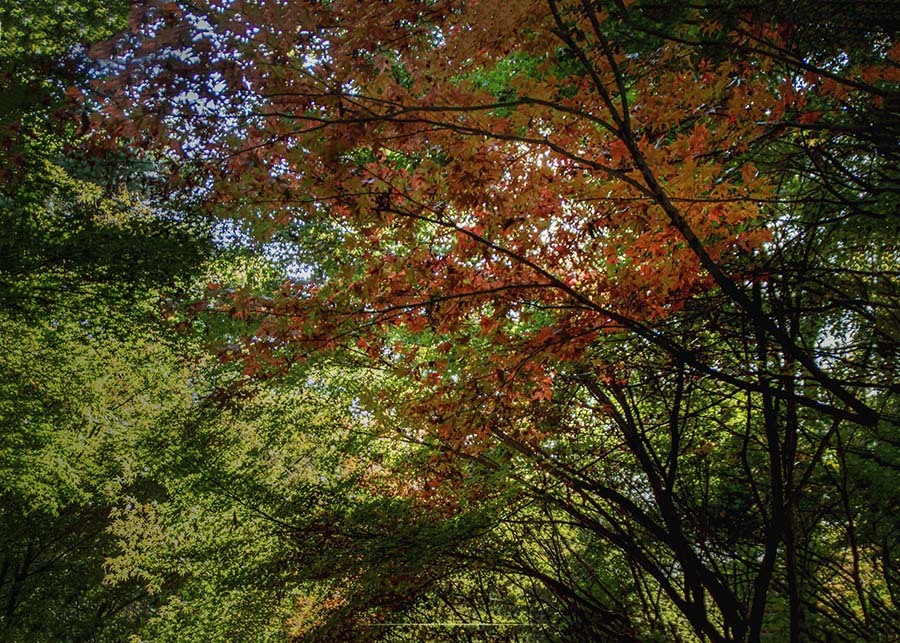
[601, 298]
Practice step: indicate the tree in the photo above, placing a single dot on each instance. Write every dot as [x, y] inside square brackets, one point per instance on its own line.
[86, 376]
[215, 545]
[636, 257]
[77, 408]
[81, 229]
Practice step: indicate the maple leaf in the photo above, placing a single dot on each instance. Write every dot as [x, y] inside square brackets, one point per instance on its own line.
[521, 188]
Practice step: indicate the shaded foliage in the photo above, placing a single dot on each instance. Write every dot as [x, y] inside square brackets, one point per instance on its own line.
[585, 328]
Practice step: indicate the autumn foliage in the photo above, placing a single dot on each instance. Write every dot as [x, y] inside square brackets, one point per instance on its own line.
[570, 232]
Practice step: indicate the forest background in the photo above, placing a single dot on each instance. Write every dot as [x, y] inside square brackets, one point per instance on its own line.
[449, 321]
